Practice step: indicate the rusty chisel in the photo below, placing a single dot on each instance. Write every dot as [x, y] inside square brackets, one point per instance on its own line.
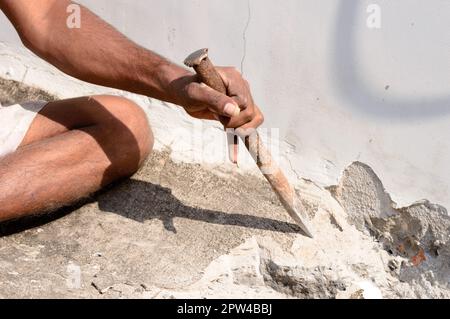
[201, 63]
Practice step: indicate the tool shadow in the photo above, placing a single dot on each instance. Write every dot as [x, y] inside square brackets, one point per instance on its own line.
[141, 201]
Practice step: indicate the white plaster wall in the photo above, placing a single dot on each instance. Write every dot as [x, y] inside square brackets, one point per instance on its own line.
[338, 91]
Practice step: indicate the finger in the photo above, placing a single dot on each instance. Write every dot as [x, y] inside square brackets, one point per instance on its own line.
[233, 147]
[229, 76]
[243, 118]
[237, 86]
[257, 121]
[242, 101]
[204, 115]
[202, 95]
[227, 73]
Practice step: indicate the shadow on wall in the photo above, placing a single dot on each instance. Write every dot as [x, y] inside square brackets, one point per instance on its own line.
[354, 89]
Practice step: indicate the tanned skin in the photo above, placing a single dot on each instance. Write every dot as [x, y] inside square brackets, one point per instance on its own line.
[75, 147]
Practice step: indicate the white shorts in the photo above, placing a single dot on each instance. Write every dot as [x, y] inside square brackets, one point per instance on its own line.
[15, 120]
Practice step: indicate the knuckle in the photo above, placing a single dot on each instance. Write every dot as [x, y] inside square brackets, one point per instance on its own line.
[190, 89]
[217, 103]
[248, 117]
[261, 119]
[243, 101]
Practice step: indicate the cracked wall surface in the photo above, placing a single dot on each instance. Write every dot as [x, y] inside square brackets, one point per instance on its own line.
[244, 37]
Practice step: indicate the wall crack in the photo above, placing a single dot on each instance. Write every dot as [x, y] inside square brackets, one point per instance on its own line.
[244, 36]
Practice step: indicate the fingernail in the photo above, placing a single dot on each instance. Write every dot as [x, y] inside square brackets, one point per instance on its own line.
[231, 110]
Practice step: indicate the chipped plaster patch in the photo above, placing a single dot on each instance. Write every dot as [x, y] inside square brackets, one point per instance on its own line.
[419, 233]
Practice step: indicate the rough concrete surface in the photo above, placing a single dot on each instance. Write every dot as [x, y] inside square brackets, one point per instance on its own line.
[179, 230]
[419, 233]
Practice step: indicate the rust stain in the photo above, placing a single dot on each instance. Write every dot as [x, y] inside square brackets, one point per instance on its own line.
[419, 258]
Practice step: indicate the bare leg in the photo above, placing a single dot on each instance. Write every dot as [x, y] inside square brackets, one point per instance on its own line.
[72, 149]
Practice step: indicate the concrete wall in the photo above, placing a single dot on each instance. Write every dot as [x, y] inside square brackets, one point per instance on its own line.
[338, 91]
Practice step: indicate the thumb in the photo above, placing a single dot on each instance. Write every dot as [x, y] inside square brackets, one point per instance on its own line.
[216, 102]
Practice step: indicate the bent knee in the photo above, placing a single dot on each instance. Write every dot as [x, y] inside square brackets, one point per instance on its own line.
[128, 125]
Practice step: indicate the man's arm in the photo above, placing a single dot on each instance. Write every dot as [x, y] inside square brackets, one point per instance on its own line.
[99, 54]
[95, 53]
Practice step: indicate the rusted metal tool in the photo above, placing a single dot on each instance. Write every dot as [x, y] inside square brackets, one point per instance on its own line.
[201, 63]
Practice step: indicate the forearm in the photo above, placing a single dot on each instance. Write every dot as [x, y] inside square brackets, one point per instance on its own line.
[99, 54]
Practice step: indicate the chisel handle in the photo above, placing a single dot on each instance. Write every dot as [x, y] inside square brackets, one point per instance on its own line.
[209, 75]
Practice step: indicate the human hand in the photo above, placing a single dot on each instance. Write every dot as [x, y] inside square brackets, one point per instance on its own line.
[234, 110]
